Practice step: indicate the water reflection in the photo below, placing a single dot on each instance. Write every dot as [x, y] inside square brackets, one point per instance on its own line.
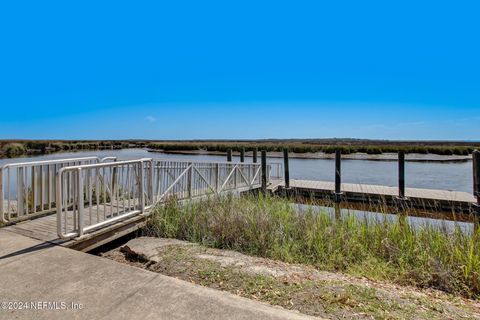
[417, 223]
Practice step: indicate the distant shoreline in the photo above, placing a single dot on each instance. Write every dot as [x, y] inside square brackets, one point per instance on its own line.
[353, 149]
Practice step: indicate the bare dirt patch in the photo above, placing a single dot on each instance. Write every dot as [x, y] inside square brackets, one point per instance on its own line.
[298, 287]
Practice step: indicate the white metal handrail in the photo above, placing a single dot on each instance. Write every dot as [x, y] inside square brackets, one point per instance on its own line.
[187, 179]
[101, 194]
[275, 171]
[92, 196]
[28, 188]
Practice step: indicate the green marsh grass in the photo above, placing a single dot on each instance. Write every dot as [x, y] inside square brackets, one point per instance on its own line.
[271, 227]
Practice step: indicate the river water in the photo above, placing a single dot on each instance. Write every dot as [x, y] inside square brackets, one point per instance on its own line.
[372, 217]
[456, 176]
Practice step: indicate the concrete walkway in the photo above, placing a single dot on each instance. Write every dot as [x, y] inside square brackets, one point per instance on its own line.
[53, 277]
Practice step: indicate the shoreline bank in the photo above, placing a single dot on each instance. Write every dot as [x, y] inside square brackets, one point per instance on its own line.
[414, 157]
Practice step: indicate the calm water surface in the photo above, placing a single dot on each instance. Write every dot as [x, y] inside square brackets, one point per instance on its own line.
[455, 176]
[370, 216]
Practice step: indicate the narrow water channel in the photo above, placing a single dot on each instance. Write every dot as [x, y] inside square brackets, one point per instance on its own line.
[381, 217]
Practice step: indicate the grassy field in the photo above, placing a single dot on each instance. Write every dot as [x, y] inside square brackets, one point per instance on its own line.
[11, 148]
[388, 251]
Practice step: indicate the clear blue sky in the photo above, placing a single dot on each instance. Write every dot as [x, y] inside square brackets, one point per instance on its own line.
[240, 69]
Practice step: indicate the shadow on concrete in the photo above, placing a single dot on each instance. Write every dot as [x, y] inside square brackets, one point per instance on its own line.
[38, 247]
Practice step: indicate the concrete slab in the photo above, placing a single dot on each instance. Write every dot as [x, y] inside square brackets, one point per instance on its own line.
[106, 289]
[14, 246]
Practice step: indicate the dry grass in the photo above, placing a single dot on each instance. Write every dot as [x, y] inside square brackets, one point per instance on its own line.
[380, 249]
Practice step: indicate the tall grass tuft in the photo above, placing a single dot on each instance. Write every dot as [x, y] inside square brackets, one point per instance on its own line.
[382, 249]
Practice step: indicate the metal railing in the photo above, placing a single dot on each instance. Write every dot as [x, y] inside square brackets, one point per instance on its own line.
[186, 179]
[92, 196]
[275, 171]
[28, 188]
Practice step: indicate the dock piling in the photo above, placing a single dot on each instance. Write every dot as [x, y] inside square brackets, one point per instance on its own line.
[255, 155]
[476, 179]
[338, 175]
[401, 174]
[229, 155]
[242, 155]
[286, 168]
[264, 171]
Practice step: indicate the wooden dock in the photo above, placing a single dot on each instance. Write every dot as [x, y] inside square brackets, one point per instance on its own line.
[128, 190]
[90, 204]
[45, 229]
[416, 197]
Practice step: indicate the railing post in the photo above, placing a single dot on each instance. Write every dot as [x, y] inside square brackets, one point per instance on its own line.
[141, 188]
[338, 175]
[286, 168]
[264, 171]
[401, 174]
[190, 180]
[114, 179]
[151, 192]
[58, 200]
[229, 155]
[34, 189]
[80, 204]
[242, 155]
[235, 175]
[217, 177]
[20, 192]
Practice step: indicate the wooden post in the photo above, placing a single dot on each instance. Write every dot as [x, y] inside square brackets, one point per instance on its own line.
[255, 155]
[264, 171]
[338, 211]
[229, 155]
[401, 174]
[476, 177]
[476, 187]
[242, 155]
[286, 168]
[338, 174]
